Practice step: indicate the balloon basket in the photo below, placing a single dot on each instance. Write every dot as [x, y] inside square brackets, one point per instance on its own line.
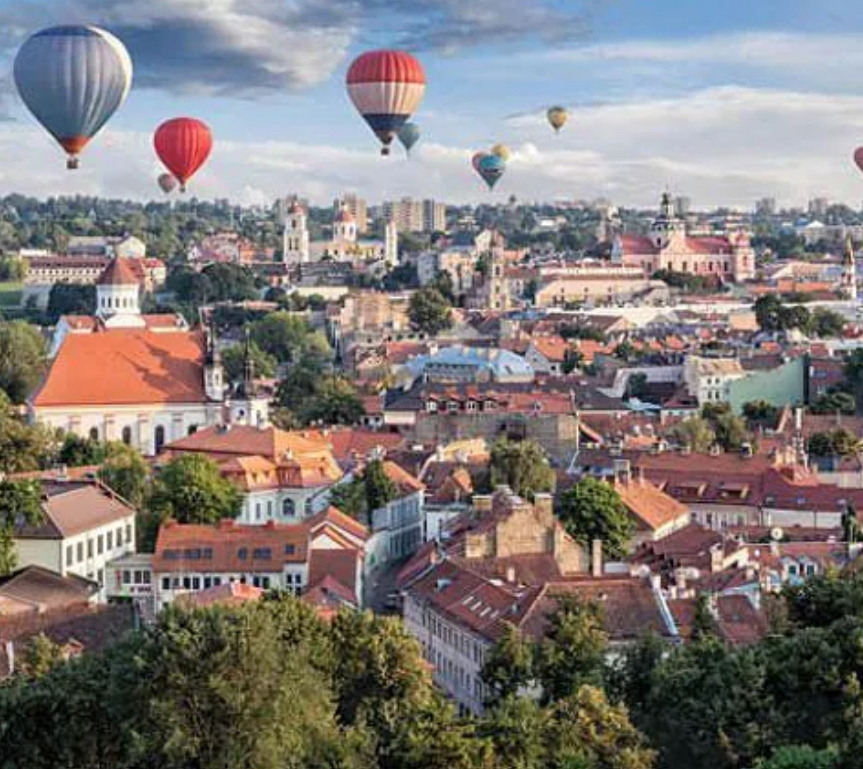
[71, 163]
[385, 151]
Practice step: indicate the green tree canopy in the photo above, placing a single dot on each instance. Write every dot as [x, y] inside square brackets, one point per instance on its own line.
[521, 465]
[592, 509]
[22, 359]
[234, 361]
[70, 299]
[429, 311]
[125, 471]
[190, 489]
[508, 665]
[20, 502]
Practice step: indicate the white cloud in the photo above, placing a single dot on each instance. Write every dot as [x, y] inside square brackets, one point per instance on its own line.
[720, 146]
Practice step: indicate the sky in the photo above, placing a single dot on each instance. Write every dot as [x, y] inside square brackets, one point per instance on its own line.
[724, 102]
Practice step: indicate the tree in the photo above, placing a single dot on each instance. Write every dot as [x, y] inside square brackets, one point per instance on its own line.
[234, 362]
[521, 465]
[572, 653]
[20, 503]
[508, 665]
[800, 757]
[854, 377]
[695, 433]
[429, 311]
[288, 338]
[70, 299]
[79, 452]
[124, 471]
[190, 489]
[731, 432]
[703, 623]
[380, 489]
[41, 656]
[636, 386]
[23, 447]
[827, 323]
[518, 729]
[22, 359]
[335, 402]
[837, 402]
[593, 509]
[762, 413]
[588, 731]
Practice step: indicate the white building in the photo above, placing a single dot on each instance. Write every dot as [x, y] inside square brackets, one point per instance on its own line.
[85, 526]
[709, 380]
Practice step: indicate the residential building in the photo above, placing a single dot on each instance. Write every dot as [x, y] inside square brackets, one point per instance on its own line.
[709, 380]
[434, 216]
[510, 562]
[407, 214]
[283, 476]
[85, 526]
[398, 528]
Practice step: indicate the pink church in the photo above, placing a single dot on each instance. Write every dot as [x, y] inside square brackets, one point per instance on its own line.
[668, 247]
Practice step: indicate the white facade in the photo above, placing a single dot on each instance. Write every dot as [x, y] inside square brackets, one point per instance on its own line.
[85, 555]
[295, 237]
[287, 505]
[147, 426]
[403, 523]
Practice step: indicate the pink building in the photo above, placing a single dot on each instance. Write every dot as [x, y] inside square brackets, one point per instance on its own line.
[668, 247]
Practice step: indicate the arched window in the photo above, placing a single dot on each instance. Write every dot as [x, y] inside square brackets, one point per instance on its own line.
[289, 509]
[94, 433]
[127, 435]
[160, 438]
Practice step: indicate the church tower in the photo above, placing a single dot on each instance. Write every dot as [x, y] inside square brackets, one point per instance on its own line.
[667, 224]
[248, 406]
[498, 286]
[849, 272]
[295, 235]
[118, 295]
[344, 227]
[214, 373]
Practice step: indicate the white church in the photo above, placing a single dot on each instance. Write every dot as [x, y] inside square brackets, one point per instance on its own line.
[145, 380]
[345, 245]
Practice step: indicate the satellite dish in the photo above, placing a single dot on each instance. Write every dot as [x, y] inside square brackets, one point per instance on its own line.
[776, 534]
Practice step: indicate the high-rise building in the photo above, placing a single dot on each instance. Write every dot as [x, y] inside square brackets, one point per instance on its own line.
[406, 213]
[434, 216]
[765, 207]
[357, 208]
[818, 206]
[682, 205]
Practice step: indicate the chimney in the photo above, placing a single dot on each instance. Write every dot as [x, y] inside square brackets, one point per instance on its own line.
[622, 471]
[482, 503]
[596, 558]
[544, 503]
[510, 574]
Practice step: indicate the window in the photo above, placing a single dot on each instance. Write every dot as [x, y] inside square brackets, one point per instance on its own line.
[217, 581]
[80, 551]
[166, 583]
[127, 435]
[89, 548]
[289, 549]
[94, 433]
[269, 509]
[192, 429]
[187, 583]
[160, 438]
[127, 577]
[208, 583]
[242, 553]
[100, 544]
[119, 536]
[263, 553]
[196, 583]
[128, 532]
[109, 540]
[257, 511]
[288, 507]
[139, 577]
[70, 555]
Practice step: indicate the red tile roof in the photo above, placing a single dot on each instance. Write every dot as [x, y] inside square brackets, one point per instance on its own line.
[125, 367]
[118, 273]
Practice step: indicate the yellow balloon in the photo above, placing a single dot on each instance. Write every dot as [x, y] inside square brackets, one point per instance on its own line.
[502, 151]
[557, 117]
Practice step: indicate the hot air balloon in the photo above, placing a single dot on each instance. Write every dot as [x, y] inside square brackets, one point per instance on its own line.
[502, 151]
[73, 79]
[491, 168]
[409, 134]
[183, 145]
[386, 87]
[858, 157]
[167, 182]
[475, 160]
[557, 117]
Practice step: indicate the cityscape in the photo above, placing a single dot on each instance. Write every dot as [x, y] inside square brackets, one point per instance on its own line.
[424, 440]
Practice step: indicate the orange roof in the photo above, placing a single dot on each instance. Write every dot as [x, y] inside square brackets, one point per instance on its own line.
[125, 367]
[118, 273]
[406, 482]
[653, 508]
[554, 348]
[229, 594]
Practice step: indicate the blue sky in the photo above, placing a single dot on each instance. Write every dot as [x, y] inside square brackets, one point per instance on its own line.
[723, 101]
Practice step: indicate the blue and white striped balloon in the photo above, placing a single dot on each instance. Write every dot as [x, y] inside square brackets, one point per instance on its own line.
[73, 79]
